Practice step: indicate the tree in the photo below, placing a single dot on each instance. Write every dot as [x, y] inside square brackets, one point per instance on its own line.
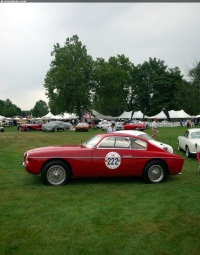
[166, 91]
[68, 83]
[40, 109]
[194, 75]
[144, 77]
[8, 109]
[112, 80]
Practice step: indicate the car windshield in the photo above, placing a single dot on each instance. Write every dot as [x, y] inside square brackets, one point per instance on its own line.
[195, 134]
[92, 141]
[146, 136]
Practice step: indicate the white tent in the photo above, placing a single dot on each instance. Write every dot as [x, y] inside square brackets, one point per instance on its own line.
[2, 117]
[125, 115]
[160, 115]
[136, 115]
[99, 116]
[68, 116]
[49, 116]
[198, 116]
[179, 114]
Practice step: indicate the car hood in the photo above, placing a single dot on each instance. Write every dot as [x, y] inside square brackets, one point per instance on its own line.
[56, 148]
[162, 145]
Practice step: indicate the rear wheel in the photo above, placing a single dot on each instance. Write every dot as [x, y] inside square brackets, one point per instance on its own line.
[155, 172]
[56, 173]
[187, 152]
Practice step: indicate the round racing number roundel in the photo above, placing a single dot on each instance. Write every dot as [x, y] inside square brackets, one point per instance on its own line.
[112, 160]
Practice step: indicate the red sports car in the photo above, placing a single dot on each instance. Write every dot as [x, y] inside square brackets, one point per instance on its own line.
[29, 127]
[134, 126]
[104, 155]
[83, 126]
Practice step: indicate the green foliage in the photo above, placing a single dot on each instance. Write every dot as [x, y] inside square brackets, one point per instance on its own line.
[111, 84]
[8, 109]
[194, 88]
[68, 83]
[40, 109]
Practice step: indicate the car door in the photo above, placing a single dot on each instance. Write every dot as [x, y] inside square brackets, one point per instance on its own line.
[112, 157]
[183, 140]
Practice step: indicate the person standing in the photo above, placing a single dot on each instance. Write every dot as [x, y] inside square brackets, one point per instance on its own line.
[154, 129]
[111, 128]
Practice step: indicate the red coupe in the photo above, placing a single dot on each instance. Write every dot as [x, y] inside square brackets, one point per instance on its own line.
[104, 155]
[29, 127]
[134, 126]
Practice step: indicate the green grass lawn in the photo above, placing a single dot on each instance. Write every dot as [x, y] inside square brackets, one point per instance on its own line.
[122, 216]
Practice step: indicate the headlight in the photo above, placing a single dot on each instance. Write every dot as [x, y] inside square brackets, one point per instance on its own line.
[26, 159]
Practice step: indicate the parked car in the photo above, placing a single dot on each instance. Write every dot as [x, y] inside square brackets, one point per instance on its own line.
[119, 126]
[8, 123]
[144, 135]
[134, 126]
[29, 127]
[104, 124]
[82, 126]
[56, 125]
[190, 141]
[103, 155]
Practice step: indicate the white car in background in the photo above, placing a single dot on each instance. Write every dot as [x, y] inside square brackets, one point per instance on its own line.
[104, 124]
[141, 134]
[190, 142]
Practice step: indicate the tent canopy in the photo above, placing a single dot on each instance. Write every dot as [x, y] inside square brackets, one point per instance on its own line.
[2, 117]
[181, 114]
[128, 115]
[49, 115]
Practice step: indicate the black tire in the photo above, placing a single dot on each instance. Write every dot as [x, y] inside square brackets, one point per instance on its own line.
[28, 129]
[155, 172]
[56, 173]
[187, 152]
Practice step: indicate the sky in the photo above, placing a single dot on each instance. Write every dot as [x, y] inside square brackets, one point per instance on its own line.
[28, 32]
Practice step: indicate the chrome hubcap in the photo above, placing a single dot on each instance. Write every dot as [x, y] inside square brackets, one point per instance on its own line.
[156, 173]
[56, 175]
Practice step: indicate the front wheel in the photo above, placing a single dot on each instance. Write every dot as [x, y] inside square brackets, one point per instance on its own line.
[56, 173]
[155, 172]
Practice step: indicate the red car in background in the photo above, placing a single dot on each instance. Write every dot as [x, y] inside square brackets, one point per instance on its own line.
[134, 126]
[29, 127]
[83, 126]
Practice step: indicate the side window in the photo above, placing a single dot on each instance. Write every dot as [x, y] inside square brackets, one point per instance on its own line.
[122, 142]
[186, 134]
[115, 142]
[107, 142]
[137, 144]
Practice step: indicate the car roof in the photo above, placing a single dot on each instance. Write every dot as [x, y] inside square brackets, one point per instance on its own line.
[118, 133]
[194, 129]
[130, 132]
